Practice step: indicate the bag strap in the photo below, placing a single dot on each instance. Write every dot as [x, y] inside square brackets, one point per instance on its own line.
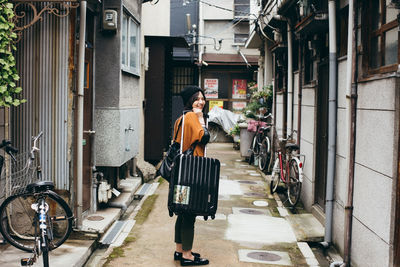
[177, 130]
[183, 127]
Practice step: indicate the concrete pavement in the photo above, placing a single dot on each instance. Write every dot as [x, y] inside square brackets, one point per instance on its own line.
[252, 227]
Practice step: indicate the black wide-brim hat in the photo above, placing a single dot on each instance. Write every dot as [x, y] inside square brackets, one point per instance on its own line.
[188, 91]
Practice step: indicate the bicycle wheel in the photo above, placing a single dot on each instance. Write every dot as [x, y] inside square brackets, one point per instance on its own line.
[19, 222]
[275, 176]
[264, 155]
[294, 186]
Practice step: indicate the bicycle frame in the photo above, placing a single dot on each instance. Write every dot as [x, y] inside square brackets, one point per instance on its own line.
[284, 172]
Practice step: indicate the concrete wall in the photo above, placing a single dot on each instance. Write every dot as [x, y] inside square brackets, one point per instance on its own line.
[212, 13]
[307, 143]
[156, 18]
[375, 170]
[118, 119]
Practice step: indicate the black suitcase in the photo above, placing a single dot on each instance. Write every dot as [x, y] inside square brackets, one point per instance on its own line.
[194, 186]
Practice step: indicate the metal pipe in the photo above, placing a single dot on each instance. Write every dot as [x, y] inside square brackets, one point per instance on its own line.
[332, 124]
[290, 71]
[299, 98]
[351, 96]
[79, 124]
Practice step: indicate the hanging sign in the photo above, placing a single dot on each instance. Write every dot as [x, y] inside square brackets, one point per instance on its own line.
[211, 88]
[239, 88]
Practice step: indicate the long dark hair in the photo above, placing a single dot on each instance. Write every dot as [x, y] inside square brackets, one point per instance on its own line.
[192, 99]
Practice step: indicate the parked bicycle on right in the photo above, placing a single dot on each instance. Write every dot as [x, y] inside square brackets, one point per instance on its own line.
[288, 168]
[261, 145]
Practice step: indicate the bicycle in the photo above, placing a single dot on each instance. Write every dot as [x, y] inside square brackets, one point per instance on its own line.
[33, 218]
[261, 145]
[288, 168]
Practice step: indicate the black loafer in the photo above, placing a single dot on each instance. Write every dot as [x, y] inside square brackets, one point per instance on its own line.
[178, 255]
[196, 261]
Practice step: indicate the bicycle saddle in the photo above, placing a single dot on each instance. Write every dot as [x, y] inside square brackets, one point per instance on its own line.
[40, 186]
[293, 147]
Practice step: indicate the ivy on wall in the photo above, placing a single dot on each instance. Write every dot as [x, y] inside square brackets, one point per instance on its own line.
[9, 91]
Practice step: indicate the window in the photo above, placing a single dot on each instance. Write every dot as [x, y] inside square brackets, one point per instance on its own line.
[240, 38]
[380, 37]
[130, 44]
[182, 77]
[242, 8]
[343, 26]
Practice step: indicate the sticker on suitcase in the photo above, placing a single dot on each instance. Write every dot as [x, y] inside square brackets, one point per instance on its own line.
[181, 194]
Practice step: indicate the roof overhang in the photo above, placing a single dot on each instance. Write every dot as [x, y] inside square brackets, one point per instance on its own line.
[229, 59]
[254, 40]
[313, 23]
[168, 40]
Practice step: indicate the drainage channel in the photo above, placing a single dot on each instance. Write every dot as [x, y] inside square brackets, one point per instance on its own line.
[103, 244]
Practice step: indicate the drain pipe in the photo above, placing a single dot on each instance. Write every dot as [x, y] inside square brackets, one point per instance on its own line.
[330, 172]
[289, 87]
[290, 70]
[79, 131]
[351, 100]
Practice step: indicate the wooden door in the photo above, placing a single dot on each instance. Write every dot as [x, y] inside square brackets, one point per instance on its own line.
[155, 86]
[88, 134]
[321, 135]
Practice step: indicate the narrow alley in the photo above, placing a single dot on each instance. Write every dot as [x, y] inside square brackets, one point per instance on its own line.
[252, 227]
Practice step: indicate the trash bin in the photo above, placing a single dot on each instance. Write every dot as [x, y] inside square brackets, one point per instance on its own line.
[246, 138]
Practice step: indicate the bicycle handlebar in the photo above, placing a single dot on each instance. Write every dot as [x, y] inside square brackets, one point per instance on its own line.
[260, 117]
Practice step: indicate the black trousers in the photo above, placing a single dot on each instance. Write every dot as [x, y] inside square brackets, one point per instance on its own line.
[184, 230]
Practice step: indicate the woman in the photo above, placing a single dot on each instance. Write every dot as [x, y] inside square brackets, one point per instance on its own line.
[195, 132]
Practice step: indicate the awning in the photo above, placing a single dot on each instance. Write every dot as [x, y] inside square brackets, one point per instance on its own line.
[254, 40]
[167, 40]
[229, 59]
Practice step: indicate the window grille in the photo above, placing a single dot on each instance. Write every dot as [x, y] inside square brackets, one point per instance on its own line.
[182, 76]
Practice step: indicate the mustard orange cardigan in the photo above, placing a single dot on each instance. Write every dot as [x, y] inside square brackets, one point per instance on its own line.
[193, 132]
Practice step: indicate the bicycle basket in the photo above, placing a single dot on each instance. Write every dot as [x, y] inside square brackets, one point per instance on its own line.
[16, 174]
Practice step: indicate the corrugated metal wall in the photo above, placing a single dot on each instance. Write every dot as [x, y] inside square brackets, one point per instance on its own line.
[42, 61]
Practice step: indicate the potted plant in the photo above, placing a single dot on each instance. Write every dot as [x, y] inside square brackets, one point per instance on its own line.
[235, 132]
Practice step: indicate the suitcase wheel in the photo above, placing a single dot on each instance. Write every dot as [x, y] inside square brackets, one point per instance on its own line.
[212, 217]
[171, 214]
[205, 218]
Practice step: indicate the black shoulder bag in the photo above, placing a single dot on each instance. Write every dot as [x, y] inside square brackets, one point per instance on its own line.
[172, 153]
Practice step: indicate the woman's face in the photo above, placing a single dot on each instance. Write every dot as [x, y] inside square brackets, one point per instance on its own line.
[199, 101]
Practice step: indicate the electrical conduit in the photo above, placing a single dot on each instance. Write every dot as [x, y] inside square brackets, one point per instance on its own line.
[79, 131]
[332, 123]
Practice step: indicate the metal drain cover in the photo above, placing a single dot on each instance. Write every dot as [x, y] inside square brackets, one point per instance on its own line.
[260, 203]
[95, 218]
[264, 256]
[251, 211]
[254, 194]
[247, 182]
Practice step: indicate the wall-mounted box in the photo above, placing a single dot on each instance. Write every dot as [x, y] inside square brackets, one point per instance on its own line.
[110, 20]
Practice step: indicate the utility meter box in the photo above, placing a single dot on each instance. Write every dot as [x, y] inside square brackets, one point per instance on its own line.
[110, 20]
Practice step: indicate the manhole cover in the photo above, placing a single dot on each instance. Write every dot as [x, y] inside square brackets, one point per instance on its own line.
[254, 194]
[251, 211]
[255, 174]
[260, 203]
[247, 182]
[95, 218]
[264, 256]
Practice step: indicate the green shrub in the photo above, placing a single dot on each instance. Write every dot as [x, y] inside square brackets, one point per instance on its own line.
[9, 77]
